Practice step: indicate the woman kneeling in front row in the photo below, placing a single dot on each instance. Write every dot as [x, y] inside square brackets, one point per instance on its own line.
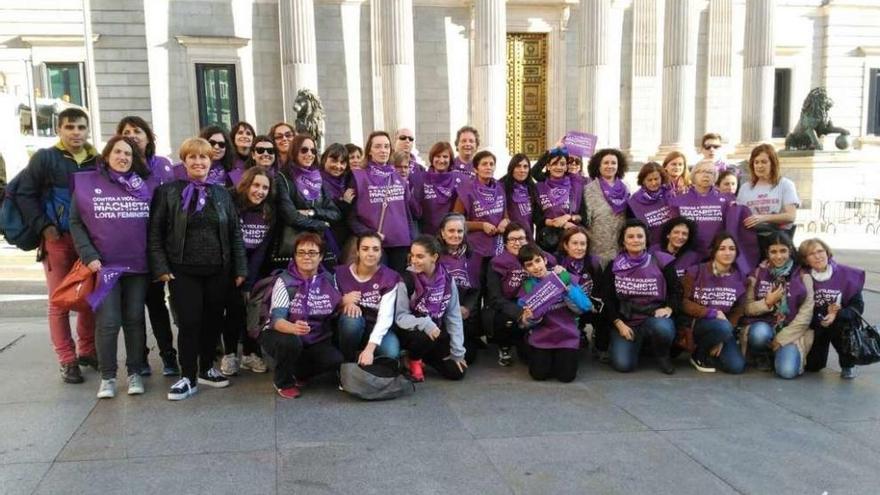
[299, 335]
[779, 302]
[428, 316]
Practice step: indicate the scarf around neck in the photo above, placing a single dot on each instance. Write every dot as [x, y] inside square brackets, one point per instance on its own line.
[615, 194]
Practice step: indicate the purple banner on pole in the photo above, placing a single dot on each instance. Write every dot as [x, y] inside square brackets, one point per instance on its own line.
[547, 294]
[582, 144]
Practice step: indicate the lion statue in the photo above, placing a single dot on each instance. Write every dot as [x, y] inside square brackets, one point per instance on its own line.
[309, 115]
[814, 123]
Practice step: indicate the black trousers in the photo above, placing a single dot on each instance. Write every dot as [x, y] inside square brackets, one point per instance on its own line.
[198, 301]
[234, 329]
[293, 359]
[159, 318]
[823, 337]
[561, 364]
[433, 352]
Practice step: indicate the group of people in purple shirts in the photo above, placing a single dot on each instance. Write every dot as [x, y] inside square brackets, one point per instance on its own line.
[367, 253]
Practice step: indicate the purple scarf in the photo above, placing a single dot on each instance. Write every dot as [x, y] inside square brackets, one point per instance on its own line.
[308, 181]
[431, 296]
[194, 189]
[132, 183]
[649, 198]
[624, 262]
[333, 186]
[615, 194]
[108, 276]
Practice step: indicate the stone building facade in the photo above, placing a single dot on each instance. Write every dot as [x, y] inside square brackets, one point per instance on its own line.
[648, 76]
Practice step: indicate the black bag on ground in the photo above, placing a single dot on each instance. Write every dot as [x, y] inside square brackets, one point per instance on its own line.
[381, 380]
[861, 342]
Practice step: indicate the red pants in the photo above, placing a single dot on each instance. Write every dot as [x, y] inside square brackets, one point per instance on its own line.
[58, 260]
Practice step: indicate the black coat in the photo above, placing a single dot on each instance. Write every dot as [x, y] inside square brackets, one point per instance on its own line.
[168, 221]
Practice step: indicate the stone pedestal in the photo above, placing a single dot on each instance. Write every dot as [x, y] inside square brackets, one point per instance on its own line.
[838, 189]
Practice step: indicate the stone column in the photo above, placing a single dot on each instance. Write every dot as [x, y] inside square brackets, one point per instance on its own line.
[299, 67]
[350, 12]
[594, 96]
[718, 113]
[490, 74]
[644, 105]
[759, 73]
[679, 76]
[376, 63]
[398, 65]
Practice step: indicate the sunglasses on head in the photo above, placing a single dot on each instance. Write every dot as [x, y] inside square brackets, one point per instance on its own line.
[711, 146]
[306, 149]
[260, 150]
[219, 144]
[406, 138]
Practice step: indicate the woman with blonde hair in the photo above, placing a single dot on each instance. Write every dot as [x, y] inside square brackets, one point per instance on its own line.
[675, 165]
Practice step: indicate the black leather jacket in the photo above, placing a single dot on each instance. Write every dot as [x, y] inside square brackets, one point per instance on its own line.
[326, 212]
[168, 229]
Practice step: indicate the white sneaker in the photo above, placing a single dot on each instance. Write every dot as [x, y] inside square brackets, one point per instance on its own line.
[254, 363]
[229, 365]
[135, 384]
[183, 389]
[107, 390]
[213, 378]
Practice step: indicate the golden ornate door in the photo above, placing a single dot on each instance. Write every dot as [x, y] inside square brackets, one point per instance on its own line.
[526, 93]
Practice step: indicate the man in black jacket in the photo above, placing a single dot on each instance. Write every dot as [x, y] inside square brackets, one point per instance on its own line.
[43, 197]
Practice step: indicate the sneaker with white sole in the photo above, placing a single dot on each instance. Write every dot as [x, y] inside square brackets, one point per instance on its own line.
[229, 365]
[107, 390]
[135, 384]
[701, 366]
[213, 378]
[183, 389]
[254, 363]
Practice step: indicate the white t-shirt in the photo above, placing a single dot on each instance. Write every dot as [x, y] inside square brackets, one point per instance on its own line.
[764, 199]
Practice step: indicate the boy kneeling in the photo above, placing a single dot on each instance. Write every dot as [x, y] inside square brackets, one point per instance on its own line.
[551, 301]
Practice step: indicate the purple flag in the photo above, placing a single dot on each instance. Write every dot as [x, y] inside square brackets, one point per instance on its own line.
[108, 276]
[544, 296]
[582, 144]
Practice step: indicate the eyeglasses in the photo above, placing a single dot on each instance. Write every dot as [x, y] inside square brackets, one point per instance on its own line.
[259, 150]
[219, 144]
[286, 135]
[518, 239]
[306, 149]
[308, 254]
[406, 138]
[711, 146]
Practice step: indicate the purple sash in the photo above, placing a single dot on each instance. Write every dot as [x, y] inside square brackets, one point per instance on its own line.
[796, 292]
[216, 175]
[641, 284]
[314, 300]
[582, 268]
[382, 282]
[108, 276]
[615, 194]
[194, 190]
[653, 209]
[561, 196]
[512, 273]
[254, 228]
[115, 220]
[844, 284]
[334, 187]
[381, 203]
[519, 207]
[707, 211]
[308, 182]
[558, 327]
[681, 262]
[466, 168]
[464, 270]
[431, 296]
[437, 196]
[748, 252]
[133, 184]
[716, 292]
[484, 203]
[161, 169]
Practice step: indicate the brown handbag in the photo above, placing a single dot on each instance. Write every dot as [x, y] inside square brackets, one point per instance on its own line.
[71, 294]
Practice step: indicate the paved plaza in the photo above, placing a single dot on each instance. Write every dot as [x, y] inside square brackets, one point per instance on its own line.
[496, 432]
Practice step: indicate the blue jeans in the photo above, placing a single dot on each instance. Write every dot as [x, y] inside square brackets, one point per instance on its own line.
[353, 337]
[710, 332]
[760, 334]
[787, 360]
[625, 353]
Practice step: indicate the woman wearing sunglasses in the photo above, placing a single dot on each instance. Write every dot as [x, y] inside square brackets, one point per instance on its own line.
[300, 179]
